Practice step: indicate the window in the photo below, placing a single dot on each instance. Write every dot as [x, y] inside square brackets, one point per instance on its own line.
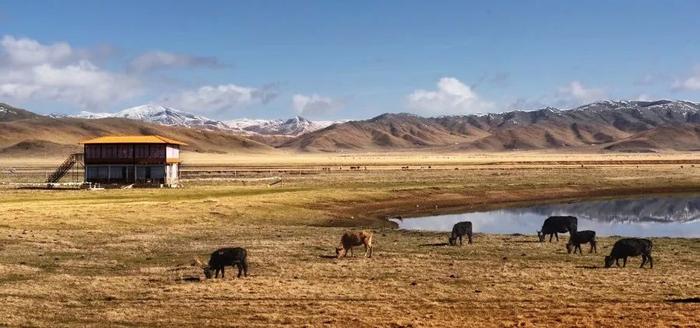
[92, 151]
[156, 151]
[140, 151]
[91, 172]
[125, 151]
[157, 172]
[102, 172]
[117, 172]
[109, 151]
[140, 173]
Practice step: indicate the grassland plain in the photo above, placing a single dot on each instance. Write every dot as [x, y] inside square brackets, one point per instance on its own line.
[116, 257]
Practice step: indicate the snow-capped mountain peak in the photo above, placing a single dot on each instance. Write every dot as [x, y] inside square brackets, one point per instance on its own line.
[169, 116]
[291, 127]
[160, 115]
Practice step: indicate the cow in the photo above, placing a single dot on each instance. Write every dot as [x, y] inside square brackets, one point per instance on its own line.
[624, 248]
[352, 239]
[557, 224]
[460, 229]
[227, 256]
[581, 237]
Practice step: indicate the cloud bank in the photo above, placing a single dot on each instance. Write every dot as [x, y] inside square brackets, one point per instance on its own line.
[451, 97]
[155, 60]
[690, 82]
[30, 70]
[314, 105]
[576, 93]
[219, 98]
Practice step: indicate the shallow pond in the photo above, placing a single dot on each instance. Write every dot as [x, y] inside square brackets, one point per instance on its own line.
[657, 216]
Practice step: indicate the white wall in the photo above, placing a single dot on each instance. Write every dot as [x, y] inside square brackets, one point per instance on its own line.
[172, 152]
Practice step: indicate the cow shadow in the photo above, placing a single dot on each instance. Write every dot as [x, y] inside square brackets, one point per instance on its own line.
[327, 256]
[433, 245]
[685, 300]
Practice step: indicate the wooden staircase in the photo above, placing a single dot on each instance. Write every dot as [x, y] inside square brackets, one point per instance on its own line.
[64, 168]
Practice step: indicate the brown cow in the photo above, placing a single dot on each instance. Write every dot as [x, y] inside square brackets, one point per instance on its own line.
[351, 239]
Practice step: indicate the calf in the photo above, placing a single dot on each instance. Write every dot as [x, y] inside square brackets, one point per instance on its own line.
[460, 229]
[581, 237]
[352, 239]
[557, 224]
[630, 247]
[227, 256]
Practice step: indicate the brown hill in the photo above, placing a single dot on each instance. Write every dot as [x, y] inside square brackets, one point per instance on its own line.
[30, 148]
[601, 125]
[35, 135]
[678, 137]
[9, 113]
[609, 126]
[388, 131]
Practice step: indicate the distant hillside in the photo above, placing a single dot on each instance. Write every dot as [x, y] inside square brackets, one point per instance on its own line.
[33, 147]
[622, 126]
[608, 125]
[9, 113]
[43, 135]
[387, 131]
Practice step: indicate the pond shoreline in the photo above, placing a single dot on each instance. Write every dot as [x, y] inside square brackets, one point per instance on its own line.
[673, 215]
[446, 203]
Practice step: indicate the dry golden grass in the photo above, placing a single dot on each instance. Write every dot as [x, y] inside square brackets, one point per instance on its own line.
[288, 158]
[281, 158]
[115, 257]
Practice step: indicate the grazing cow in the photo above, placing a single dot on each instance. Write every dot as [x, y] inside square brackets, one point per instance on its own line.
[630, 247]
[352, 239]
[460, 229]
[557, 224]
[227, 256]
[581, 237]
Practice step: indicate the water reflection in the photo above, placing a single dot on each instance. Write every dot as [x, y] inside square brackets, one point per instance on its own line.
[670, 216]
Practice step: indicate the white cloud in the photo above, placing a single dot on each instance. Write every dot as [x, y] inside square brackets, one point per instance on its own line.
[643, 97]
[159, 60]
[575, 93]
[451, 97]
[31, 70]
[571, 95]
[690, 82]
[220, 97]
[28, 52]
[314, 105]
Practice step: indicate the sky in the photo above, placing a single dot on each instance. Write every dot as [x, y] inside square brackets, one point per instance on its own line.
[328, 60]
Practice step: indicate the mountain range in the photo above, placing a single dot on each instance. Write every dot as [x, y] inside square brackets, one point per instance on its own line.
[623, 126]
[607, 125]
[169, 116]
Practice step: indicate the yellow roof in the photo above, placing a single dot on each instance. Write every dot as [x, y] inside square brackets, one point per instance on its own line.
[154, 139]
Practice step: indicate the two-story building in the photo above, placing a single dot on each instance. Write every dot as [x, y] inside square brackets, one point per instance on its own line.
[140, 160]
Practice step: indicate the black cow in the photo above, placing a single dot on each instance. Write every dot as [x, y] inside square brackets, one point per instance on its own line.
[460, 229]
[581, 237]
[557, 224]
[630, 247]
[227, 256]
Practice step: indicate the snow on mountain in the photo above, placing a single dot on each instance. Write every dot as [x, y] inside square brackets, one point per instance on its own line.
[160, 115]
[667, 105]
[173, 117]
[88, 115]
[9, 113]
[291, 127]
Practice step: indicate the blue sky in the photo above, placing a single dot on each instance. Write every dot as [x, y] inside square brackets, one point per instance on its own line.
[344, 59]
